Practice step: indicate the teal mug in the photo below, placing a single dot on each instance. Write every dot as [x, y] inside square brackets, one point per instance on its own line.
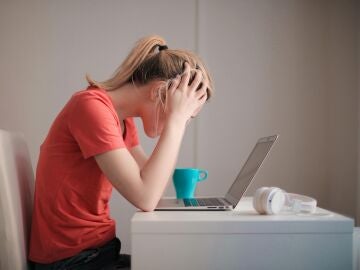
[185, 180]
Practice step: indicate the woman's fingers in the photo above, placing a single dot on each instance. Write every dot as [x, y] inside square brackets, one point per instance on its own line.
[197, 80]
[203, 99]
[174, 84]
[202, 91]
[185, 77]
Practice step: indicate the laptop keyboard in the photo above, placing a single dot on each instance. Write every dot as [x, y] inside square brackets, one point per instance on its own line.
[203, 202]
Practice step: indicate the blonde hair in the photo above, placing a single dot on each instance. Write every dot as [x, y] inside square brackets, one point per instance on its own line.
[146, 62]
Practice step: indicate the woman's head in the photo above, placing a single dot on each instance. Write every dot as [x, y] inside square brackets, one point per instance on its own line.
[150, 60]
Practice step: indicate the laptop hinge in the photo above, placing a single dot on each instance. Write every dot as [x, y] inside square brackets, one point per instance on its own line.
[226, 201]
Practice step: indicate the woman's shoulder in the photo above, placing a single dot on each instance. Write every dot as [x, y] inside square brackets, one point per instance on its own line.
[90, 98]
[91, 95]
[91, 92]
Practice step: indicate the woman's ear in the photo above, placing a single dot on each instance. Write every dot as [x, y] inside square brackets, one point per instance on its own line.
[157, 91]
[154, 94]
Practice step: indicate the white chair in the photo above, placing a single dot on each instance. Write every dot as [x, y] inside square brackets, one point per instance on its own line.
[16, 198]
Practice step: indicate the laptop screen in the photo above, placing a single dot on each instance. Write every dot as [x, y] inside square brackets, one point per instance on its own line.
[250, 167]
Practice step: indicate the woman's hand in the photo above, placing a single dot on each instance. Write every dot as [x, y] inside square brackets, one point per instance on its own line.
[183, 100]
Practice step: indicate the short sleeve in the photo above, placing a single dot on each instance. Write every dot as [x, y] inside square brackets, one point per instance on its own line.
[95, 125]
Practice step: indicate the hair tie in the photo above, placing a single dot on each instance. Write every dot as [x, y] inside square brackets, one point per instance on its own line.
[163, 47]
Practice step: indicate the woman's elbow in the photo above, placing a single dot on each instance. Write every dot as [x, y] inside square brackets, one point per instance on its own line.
[149, 209]
[147, 205]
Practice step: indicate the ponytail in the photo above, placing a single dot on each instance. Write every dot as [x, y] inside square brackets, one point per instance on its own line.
[144, 48]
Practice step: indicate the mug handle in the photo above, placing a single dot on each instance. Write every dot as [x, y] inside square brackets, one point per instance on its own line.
[205, 173]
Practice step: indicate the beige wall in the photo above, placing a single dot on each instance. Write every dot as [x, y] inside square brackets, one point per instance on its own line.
[286, 67]
[343, 104]
[358, 76]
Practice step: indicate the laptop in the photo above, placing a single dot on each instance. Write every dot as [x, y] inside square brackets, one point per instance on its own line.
[236, 191]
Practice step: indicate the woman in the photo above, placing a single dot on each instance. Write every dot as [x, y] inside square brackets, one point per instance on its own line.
[93, 146]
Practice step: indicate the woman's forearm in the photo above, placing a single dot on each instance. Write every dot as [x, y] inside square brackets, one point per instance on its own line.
[160, 165]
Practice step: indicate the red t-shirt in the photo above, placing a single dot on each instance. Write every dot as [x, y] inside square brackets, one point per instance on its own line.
[71, 205]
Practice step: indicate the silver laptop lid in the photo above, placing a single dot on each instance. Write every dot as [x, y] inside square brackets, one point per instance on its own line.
[249, 169]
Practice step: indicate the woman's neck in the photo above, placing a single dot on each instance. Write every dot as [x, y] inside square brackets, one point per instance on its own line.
[126, 100]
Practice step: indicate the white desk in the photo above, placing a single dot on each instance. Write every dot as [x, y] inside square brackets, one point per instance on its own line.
[241, 240]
